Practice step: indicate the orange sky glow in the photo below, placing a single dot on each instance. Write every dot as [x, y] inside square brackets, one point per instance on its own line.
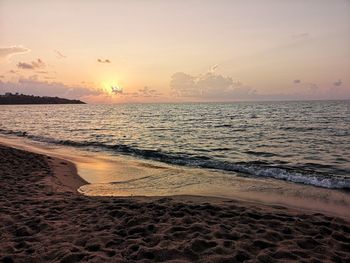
[176, 51]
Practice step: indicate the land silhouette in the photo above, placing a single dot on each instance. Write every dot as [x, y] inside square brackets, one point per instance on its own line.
[17, 98]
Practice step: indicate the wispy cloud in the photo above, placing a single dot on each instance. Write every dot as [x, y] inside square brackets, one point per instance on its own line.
[145, 92]
[301, 35]
[59, 54]
[49, 77]
[148, 92]
[338, 83]
[312, 87]
[32, 65]
[6, 52]
[42, 72]
[103, 60]
[213, 68]
[308, 86]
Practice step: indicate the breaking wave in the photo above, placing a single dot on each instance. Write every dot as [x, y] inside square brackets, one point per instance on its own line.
[252, 168]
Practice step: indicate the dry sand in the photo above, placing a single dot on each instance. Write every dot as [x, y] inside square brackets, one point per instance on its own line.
[44, 219]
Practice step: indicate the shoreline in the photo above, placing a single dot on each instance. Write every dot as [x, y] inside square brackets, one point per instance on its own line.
[47, 220]
[309, 199]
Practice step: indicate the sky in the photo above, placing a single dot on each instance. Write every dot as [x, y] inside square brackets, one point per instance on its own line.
[176, 51]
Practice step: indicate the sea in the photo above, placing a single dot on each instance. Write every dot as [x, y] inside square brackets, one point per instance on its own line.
[303, 142]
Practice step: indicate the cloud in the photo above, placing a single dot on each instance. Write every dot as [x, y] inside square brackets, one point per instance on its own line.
[59, 54]
[308, 86]
[338, 83]
[184, 85]
[103, 61]
[213, 68]
[24, 65]
[144, 92]
[301, 35]
[7, 52]
[209, 86]
[33, 86]
[312, 87]
[32, 65]
[210, 82]
[148, 92]
[13, 71]
[117, 90]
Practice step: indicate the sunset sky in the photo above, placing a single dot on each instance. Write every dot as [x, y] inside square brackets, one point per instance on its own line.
[176, 51]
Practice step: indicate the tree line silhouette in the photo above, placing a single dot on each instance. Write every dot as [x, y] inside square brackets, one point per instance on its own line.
[9, 98]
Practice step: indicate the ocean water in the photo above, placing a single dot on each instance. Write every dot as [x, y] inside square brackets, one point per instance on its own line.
[304, 142]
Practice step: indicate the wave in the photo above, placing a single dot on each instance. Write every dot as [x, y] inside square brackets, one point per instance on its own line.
[299, 129]
[252, 168]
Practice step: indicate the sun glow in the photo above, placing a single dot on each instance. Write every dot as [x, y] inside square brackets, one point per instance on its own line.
[111, 87]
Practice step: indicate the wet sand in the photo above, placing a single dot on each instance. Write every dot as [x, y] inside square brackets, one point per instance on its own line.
[124, 176]
[44, 219]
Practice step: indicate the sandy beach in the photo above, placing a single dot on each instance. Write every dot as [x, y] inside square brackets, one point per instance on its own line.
[174, 131]
[44, 219]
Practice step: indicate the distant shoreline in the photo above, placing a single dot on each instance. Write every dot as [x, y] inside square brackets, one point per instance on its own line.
[21, 99]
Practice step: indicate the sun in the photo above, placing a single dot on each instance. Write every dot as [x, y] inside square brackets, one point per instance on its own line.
[111, 87]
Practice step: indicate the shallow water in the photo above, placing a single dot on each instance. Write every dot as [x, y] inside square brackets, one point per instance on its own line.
[113, 175]
[303, 142]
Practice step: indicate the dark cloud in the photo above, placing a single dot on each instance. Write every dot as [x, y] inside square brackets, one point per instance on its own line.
[296, 81]
[103, 60]
[117, 89]
[32, 65]
[6, 52]
[209, 86]
[33, 86]
[338, 83]
[59, 54]
[24, 65]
